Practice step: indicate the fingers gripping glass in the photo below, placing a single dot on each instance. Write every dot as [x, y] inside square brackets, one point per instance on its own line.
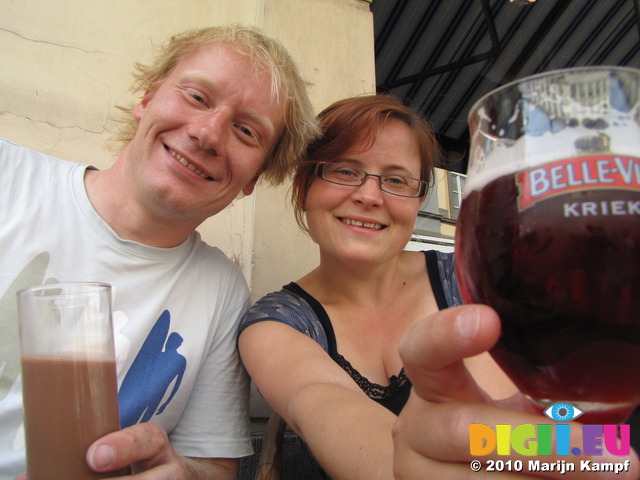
[343, 174]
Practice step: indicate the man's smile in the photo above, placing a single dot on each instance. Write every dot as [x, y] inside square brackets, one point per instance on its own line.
[186, 163]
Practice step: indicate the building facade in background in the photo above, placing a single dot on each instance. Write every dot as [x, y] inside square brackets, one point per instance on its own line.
[435, 225]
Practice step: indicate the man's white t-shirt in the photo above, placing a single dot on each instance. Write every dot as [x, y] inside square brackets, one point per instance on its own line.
[175, 311]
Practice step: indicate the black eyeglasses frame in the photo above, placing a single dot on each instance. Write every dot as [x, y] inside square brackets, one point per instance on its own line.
[319, 171]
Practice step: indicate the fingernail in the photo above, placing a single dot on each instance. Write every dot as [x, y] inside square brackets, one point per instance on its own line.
[101, 457]
[468, 323]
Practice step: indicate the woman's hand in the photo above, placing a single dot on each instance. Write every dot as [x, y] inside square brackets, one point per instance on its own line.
[432, 432]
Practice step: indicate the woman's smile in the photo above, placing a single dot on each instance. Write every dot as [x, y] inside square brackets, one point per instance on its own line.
[364, 224]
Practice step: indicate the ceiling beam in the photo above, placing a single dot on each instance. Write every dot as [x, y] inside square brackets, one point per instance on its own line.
[493, 52]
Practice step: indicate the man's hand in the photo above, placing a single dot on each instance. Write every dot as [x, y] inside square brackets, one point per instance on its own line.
[146, 449]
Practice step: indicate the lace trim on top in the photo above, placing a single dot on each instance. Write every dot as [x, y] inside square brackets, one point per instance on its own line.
[374, 390]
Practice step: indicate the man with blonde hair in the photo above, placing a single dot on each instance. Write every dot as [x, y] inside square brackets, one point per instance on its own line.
[220, 107]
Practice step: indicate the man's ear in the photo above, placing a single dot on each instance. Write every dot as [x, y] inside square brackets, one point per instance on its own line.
[248, 188]
[138, 109]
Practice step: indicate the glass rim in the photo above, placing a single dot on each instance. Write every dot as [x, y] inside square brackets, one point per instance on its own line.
[64, 288]
[550, 73]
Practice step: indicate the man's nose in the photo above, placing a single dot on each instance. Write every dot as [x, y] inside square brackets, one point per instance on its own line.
[212, 130]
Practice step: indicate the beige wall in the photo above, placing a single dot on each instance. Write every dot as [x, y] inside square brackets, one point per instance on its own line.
[66, 64]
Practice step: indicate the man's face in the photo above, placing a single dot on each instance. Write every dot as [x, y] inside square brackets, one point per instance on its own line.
[203, 135]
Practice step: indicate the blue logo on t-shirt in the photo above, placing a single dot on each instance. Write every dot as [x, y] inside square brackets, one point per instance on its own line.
[157, 366]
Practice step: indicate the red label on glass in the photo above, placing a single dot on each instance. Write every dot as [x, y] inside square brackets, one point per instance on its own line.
[580, 173]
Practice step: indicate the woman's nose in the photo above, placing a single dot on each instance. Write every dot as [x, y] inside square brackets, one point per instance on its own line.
[370, 191]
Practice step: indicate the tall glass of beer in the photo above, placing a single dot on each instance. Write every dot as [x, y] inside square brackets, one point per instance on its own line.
[549, 235]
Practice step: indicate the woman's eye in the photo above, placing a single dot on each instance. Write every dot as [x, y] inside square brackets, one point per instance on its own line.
[395, 180]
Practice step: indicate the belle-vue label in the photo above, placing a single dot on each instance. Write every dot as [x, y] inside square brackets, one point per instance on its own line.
[579, 173]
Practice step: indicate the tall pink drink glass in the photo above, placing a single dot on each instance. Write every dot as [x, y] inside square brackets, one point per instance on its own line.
[549, 235]
[68, 377]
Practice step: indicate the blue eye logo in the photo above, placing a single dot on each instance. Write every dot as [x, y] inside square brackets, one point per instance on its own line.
[563, 412]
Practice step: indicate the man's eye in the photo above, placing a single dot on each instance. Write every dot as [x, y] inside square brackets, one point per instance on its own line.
[563, 412]
[246, 131]
[197, 98]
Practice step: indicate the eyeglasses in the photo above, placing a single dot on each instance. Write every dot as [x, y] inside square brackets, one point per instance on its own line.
[344, 174]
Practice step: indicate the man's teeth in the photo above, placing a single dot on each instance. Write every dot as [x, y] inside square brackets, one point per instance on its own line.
[375, 226]
[190, 166]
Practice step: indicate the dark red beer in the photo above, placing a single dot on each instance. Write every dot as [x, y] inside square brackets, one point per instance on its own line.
[556, 253]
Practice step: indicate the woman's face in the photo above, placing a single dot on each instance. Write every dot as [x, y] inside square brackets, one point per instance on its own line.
[364, 223]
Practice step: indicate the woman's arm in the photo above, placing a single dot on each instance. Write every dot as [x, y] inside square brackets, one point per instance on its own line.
[348, 433]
